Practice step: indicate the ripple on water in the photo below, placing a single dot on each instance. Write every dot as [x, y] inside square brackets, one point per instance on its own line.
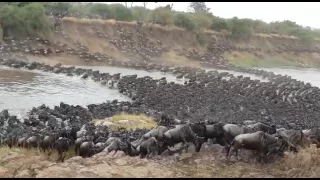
[20, 90]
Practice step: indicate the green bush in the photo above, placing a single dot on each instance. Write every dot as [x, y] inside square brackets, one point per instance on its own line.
[202, 20]
[183, 21]
[201, 38]
[100, 9]
[29, 20]
[163, 16]
[241, 30]
[219, 24]
[140, 13]
[120, 13]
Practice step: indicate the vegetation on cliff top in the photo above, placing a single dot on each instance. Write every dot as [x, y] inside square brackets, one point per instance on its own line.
[28, 18]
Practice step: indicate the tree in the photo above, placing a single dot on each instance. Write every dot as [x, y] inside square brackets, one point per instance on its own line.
[198, 7]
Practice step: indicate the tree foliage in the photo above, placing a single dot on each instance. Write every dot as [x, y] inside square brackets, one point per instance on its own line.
[198, 7]
[28, 20]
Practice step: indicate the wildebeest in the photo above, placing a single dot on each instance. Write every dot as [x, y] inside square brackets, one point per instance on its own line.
[156, 132]
[62, 146]
[294, 138]
[79, 141]
[33, 141]
[262, 127]
[47, 143]
[22, 142]
[258, 141]
[215, 131]
[149, 147]
[232, 130]
[86, 149]
[182, 134]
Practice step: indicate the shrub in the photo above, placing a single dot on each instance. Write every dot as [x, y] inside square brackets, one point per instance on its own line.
[29, 20]
[202, 20]
[183, 21]
[163, 16]
[240, 29]
[100, 9]
[120, 12]
[219, 24]
[140, 13]
[201, 38]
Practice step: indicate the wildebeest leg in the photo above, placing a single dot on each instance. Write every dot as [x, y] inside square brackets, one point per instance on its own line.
[185, 144]
[231, 151]
[237, 153]
[59, 156]
[63, 155]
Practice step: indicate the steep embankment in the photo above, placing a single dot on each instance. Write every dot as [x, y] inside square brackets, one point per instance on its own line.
[176, 44]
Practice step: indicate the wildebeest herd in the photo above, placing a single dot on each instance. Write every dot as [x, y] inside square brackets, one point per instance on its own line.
[235, 112]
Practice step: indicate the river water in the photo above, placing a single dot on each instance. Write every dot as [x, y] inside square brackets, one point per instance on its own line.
[20, 90]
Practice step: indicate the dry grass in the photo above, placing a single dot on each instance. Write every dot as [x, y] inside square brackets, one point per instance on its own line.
[129, 121]
[206, 164]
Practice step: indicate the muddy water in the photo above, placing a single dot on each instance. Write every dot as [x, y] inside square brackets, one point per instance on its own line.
[311, 76]
[21, 90]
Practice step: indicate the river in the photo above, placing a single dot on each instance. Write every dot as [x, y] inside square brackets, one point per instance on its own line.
[20, 90]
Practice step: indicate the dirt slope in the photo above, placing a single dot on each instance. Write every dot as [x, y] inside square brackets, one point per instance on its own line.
[208, 163]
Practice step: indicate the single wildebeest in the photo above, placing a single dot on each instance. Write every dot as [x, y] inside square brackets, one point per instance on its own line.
[149, 147]
[115, 145]
[156, 132]
[294, 138]
[22, 142]
[86, 149]
[257, 141]
[62, 146]
[33, 141]
[215, 131]
[182, 134]
[79, 141]
[232, 130]
[48, 144]
[313, 135]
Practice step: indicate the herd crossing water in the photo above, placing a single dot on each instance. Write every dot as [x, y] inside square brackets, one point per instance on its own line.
[21, 90]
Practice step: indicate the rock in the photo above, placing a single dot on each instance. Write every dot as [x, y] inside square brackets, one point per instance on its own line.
[24, 174]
